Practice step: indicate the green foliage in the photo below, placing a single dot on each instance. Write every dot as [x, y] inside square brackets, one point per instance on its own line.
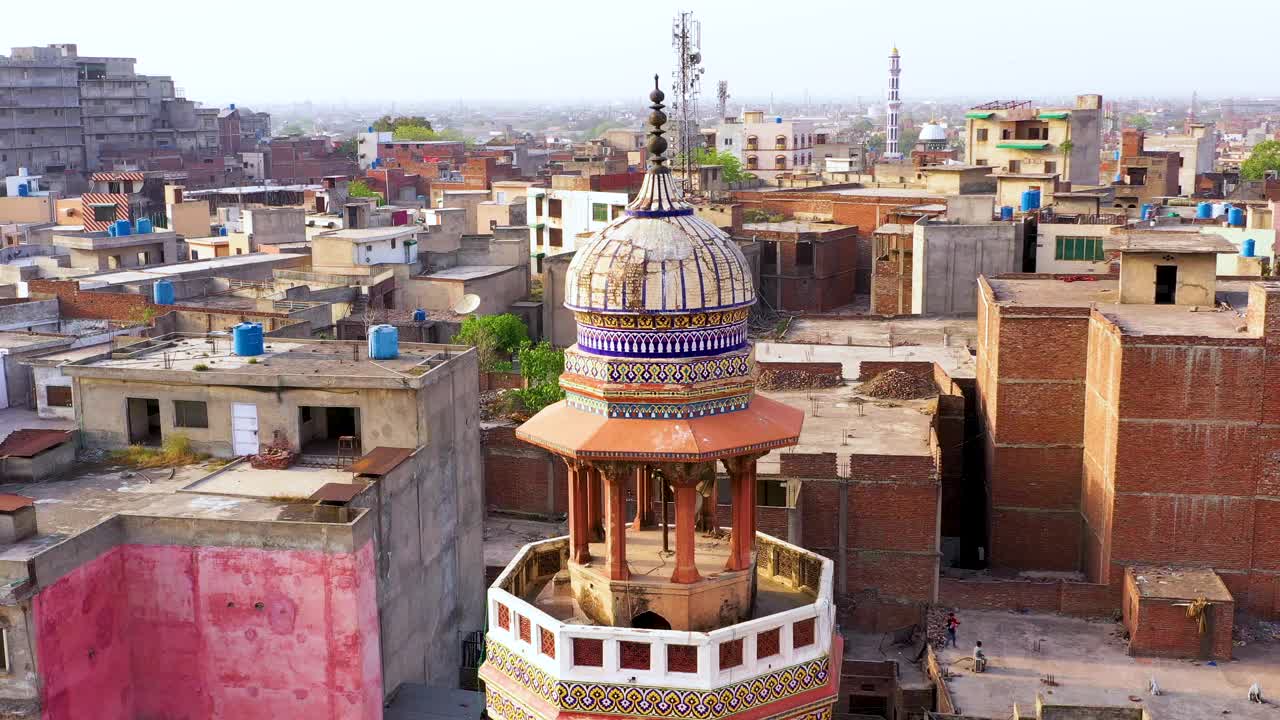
[418, 132]
[541, 366]
[908, 139]
[1265, 156]
[292, 129]
[599, 129]
[875, 143]
[176, 450]
[200, 367]
[347, 148]
[495, 338]
[1139, 121]
[756, 215]
[360, 188]
[386, 123]
[730, 166]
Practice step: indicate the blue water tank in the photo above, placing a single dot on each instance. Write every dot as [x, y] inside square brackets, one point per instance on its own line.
[419, 315]
[370, 128]
[246, 339]
[1006, 212]
[222, 231]
[1146, 211]
[384, 342]
[162, 292]
[233, 106]
[24, 190]
[778, 120]
[123, 228]
[1235, 217]
[111, 229]
[1204, 211]
[1249, 247]
[143, 226]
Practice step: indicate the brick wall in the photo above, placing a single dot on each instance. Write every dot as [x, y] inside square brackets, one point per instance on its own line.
[76, 303]
[1031, 401]
[515, 474]
[1051, 596]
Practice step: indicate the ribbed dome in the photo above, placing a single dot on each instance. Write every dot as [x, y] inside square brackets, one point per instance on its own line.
[658, 258]
[932, 132]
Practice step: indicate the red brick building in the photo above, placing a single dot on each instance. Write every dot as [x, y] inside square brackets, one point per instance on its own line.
[292, 160]
[804, 266]
[1129, 433]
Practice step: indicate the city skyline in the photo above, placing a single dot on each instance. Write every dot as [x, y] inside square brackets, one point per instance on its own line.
[276, 56]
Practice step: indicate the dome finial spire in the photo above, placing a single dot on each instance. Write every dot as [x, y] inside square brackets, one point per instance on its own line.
[657, 118]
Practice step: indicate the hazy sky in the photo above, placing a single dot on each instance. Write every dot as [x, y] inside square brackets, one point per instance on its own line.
[375, 50]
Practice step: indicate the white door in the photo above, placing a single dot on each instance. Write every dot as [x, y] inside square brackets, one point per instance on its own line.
[244, 429]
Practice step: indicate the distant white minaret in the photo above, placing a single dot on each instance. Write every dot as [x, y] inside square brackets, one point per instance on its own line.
[894, 105]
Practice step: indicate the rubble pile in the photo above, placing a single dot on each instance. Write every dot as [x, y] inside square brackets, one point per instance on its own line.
[935, 631]
[797, 378]
[898, 385]
[275, 456]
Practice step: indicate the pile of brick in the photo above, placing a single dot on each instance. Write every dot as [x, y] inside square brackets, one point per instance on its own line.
[276, 456]
[798, 376]
[898, 385]
[936, 626]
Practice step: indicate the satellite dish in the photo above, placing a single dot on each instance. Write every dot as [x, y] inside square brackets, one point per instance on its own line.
[467, 304]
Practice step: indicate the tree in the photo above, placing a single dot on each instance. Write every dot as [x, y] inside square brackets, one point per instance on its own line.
[495, 338]
[360, 188]
[1265, 156]
[730, 166]
[1138, 121]
[347, 148]
[540, 366]
[418, 132]
[386, 123]
[292, 129]
[876, 143]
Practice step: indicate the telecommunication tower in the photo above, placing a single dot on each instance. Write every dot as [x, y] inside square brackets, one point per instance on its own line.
[686, 40]
[722, 99]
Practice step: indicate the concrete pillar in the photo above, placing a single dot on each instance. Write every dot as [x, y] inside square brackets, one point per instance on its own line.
[644, 505]
[595, 507]
[686, 517]
[616, 527]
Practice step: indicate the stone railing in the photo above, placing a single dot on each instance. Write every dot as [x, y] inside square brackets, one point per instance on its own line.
[521, 632]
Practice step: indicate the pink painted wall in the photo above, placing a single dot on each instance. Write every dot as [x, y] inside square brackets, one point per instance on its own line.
[177, 634]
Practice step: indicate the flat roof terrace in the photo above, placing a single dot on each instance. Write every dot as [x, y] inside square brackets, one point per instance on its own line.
[209, 360]
[840, 421]
[1089, 662]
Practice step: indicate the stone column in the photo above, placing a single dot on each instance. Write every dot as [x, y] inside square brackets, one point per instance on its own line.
[579, 551]
[742, 471]
[595, 507]
[644, 505]
[684, 477]
[616, 523]
[686, 517]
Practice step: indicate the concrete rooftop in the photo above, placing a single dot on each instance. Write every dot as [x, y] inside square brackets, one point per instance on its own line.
[468, 272]
[1180, 584]
[159, 272]
[1089, 663]
[289, 362]
[1054, 292]
[838, 420]
[243, 480]
[72, 504]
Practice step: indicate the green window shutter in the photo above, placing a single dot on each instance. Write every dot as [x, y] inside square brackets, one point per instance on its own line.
[1057, 252]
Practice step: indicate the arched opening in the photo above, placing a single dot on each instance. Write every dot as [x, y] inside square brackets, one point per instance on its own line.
[650, 620]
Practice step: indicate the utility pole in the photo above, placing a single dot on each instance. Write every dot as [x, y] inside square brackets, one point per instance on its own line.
[686, 40]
